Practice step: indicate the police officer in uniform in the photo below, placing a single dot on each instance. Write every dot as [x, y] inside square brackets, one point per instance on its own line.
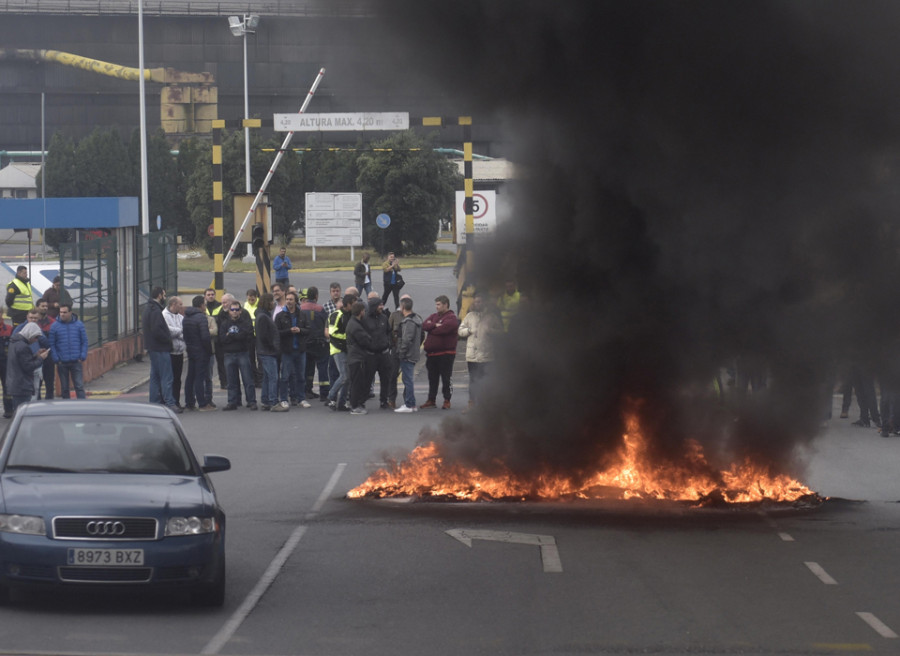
[18, 296]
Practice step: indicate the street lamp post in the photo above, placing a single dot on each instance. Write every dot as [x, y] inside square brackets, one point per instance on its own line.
[142, 95]
[241, 26]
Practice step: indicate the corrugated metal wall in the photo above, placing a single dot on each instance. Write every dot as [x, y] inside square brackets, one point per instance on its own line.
[364, 71]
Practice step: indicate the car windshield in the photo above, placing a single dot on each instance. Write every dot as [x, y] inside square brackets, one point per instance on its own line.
[91, 444]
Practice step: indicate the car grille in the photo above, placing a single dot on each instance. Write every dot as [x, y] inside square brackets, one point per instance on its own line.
[105, 574]
[102, 528]
[30, 571]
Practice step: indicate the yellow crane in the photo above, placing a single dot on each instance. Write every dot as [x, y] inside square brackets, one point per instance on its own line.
[188, 102]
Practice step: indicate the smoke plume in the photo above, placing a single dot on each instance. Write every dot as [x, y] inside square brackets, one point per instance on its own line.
[699, 184]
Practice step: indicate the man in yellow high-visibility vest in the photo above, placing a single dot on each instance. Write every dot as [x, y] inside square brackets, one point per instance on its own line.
[19, 298]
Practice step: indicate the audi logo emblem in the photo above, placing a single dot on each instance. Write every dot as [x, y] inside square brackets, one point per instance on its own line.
[105, 528]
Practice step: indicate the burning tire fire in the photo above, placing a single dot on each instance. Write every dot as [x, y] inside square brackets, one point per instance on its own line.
[428, 475]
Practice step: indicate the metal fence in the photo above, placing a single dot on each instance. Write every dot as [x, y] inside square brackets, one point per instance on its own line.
[108, 303]
[300, 8]
[89, 270]
[156, 264]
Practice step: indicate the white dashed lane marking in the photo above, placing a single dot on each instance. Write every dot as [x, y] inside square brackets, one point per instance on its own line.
[880, 627]
[820, 573]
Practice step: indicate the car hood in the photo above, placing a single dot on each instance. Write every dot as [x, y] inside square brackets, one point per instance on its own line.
[49, 495]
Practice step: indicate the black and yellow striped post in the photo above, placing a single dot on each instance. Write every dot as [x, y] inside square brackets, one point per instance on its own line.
[218, 206]
[261, 251]
[218, 209]
[465, 262]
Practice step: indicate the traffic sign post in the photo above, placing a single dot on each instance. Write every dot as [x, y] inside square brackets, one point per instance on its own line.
[382, 221]
[333, 219]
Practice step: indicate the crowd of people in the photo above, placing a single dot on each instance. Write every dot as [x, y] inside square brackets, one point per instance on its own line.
[45, 339]
[884, 416]
[285, 347]
[288, 349]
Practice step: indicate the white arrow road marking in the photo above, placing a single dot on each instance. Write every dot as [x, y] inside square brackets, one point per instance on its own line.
[547, 543]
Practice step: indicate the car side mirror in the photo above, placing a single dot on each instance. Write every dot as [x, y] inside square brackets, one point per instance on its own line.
[215, 464]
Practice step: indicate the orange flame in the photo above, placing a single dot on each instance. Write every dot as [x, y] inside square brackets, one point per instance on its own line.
[425, 473]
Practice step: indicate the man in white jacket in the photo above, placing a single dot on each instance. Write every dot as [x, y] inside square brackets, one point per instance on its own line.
[174, 316]
[480, 327]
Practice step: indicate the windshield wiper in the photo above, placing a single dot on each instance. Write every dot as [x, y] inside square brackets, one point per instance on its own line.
[39, 468]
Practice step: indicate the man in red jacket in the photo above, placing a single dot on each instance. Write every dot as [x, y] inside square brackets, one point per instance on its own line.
[440, 351]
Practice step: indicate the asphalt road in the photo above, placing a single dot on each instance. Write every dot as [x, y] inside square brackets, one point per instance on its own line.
[311, 572]
[422, 284]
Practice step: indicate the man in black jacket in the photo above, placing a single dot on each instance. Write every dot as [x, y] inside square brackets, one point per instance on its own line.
[293, 331]
[360, 357]
[158, 342]
[199, 349]
[378, 325]
[235, 336]
[268, 348]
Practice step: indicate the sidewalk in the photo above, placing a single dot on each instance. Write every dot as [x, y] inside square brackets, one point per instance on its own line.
[120, 380]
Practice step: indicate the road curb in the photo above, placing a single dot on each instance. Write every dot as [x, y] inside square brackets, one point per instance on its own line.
[131, 386]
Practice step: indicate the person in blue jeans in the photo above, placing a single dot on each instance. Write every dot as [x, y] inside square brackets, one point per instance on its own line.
[293, 331]
[281, 265]
[267, 348]
[337, 334]
[235, 336]
[409, 342]
[68, 348]
[158, 342]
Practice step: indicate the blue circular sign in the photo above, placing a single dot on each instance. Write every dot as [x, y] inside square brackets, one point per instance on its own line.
[383, 221]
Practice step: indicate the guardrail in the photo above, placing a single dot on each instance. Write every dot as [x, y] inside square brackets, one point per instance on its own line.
[300, 8]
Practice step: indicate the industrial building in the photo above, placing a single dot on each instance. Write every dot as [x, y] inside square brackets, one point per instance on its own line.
[72, 65]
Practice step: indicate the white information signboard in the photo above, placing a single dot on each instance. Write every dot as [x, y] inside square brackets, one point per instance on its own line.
[484, 213]
[342, 122]
[334, 219]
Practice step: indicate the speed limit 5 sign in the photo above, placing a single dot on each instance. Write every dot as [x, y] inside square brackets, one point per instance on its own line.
[484, 213]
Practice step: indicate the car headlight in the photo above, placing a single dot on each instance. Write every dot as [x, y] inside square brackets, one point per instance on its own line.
[25, 524]
[190, 525]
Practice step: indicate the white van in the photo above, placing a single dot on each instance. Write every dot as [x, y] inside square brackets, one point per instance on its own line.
[42, 275]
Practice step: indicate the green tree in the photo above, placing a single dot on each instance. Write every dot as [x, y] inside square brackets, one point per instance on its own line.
[59, 181]
[104, 166]
[284, 190]
[165, 184]
[98, 165]
[193, 154]
[196, 159]
[415, 186]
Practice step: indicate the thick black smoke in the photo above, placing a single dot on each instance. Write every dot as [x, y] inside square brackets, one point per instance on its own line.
[699, 183]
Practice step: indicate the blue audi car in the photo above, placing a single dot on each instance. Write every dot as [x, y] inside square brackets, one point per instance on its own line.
[104, 493]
